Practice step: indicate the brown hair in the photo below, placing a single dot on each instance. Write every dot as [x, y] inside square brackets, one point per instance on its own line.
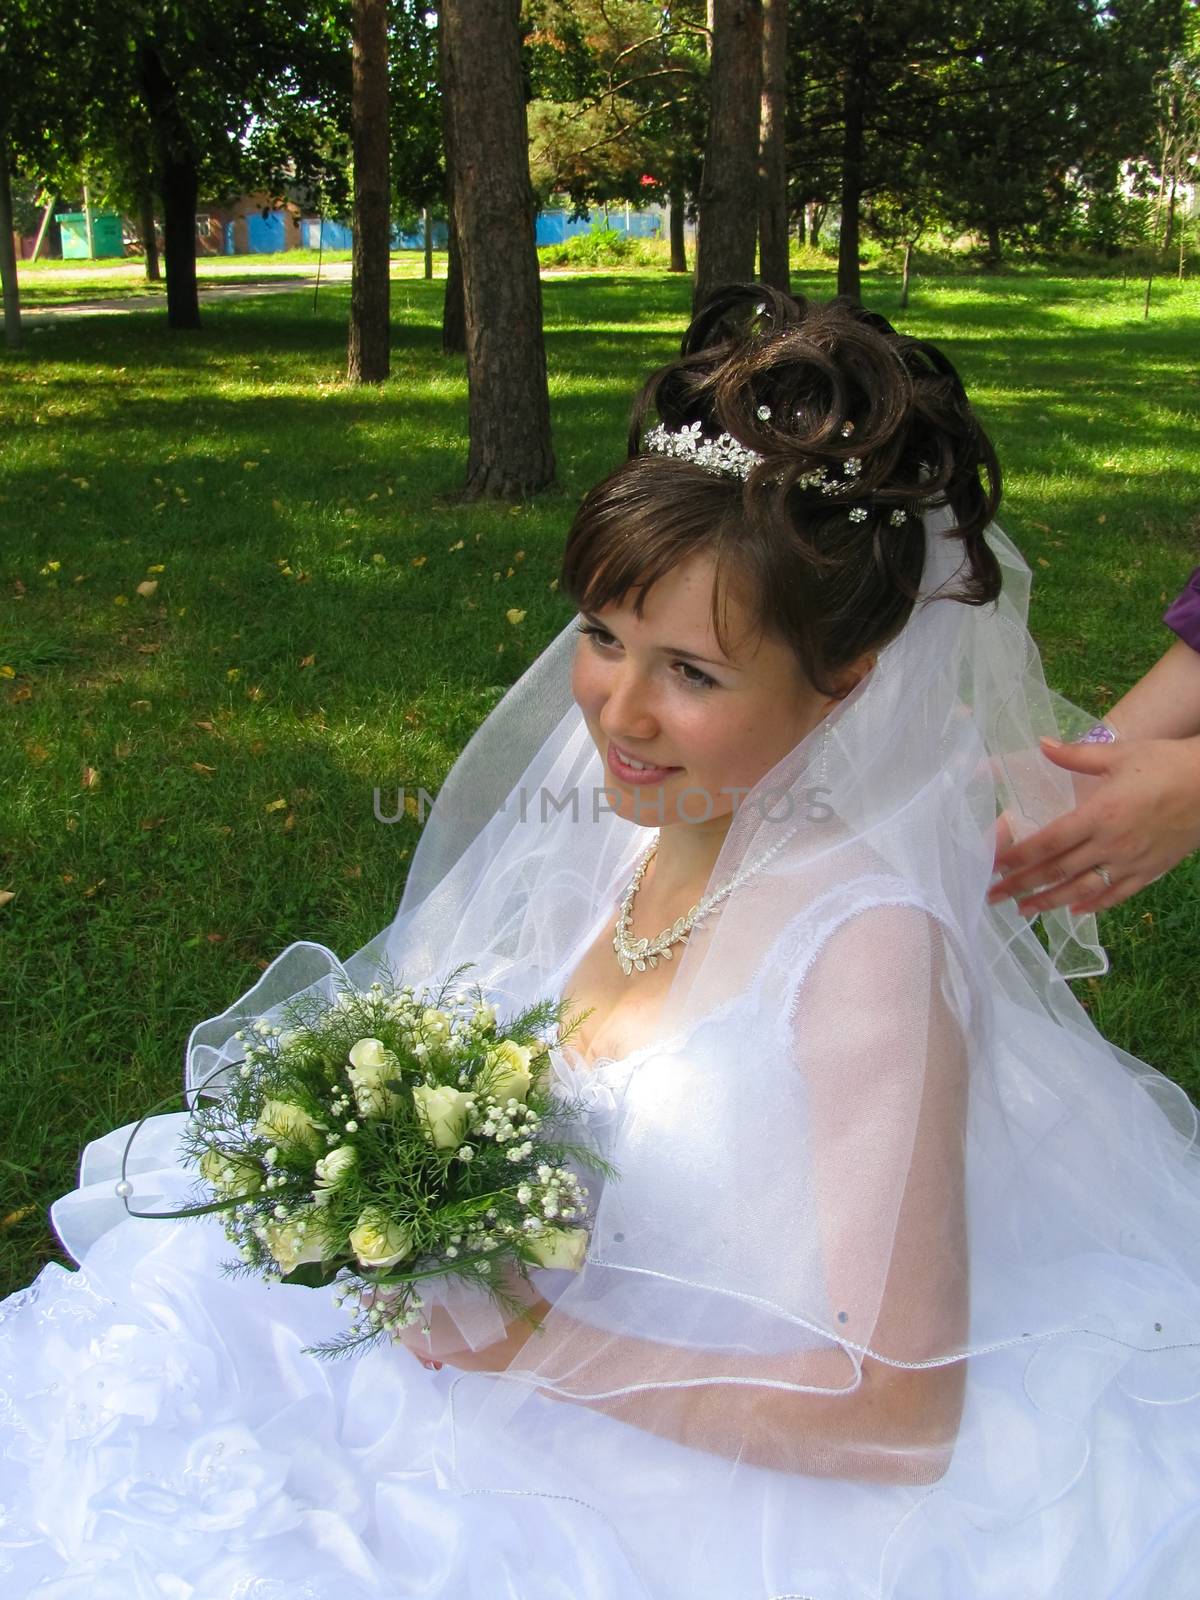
[840, 384]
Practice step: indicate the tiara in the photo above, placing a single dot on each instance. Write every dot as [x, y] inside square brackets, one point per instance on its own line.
[726, 457]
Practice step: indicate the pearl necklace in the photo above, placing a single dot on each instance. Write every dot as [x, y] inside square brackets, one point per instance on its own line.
[635, 955]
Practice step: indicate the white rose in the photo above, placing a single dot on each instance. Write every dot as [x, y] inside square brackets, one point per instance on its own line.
[230, 1174]
[435, 1023]
[509, 1076]
[292, 1037]
[378, 1240]
[372, 1067]
[484, 1017]
[368, 1053]
[332, 1169]
[443, 1112]
[291, 1248]
[560, 1247]
[285, 1123]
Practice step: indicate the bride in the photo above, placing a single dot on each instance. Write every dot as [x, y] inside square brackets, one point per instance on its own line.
[896, 1292]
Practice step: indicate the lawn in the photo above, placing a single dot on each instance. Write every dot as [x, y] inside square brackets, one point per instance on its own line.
[236, 597]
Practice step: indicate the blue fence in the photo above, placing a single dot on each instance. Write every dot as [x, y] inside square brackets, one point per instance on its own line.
[553, 227]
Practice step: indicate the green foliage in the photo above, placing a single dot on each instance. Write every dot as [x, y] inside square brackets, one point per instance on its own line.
[602, 247]
[618, 103]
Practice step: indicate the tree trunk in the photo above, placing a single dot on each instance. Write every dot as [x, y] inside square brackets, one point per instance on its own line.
[904, 279]
[494, 210]
[849, 276]
[772, 155]
[427, 221]
[1169, 231]
[802, 227]
[454, 325]
[149, 236]
[676, 203]
[728, 227]
[8, 257]
[179, 186]
[369, 356]
[994, 247]
[816, 221]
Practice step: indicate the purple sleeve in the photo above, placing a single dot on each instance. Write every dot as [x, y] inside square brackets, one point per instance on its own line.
[1183, 615]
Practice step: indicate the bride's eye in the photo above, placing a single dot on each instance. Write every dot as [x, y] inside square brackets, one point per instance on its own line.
[701, 680]
[597, 634]
[601, 638]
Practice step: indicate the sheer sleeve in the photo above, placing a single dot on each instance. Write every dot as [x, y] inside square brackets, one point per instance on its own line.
[797, 1297]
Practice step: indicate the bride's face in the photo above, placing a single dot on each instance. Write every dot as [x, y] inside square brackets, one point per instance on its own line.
[659, 689]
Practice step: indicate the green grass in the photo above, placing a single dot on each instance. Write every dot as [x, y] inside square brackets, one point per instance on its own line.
[188, 776]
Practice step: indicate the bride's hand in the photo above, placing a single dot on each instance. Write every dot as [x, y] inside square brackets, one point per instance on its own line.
[443, 1336]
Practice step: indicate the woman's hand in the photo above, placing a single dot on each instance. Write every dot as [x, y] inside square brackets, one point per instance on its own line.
[1141, 820]
[444, 1344]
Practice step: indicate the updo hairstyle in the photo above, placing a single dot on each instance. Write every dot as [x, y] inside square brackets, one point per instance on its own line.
[855, 424]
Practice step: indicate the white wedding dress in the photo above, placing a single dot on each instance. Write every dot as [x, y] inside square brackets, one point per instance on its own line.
[163, 1436]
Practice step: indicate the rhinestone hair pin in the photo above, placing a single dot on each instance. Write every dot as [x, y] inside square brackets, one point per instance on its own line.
[727, 458]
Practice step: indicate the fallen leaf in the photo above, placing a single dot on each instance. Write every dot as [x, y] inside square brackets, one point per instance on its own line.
[51, 566]
[1042, 562]
[553, 584]
[123, 749]
[160, 567]
[66, 877]
[215, 938]
[457, 545]
[233, 674]
[510, 572]
[18, 1215]
[275, 805]
[249, 466]
[207, 726]
[419, 561]
[6, 895]
[8, 672]
[148, 587]
[198, 766]
[147, 823]
[351, 872]
[91, 889]
[379, 560]
[519, 555]
[289, 822]
[1103, 517]
[140, 705]
[149, 649]
[91, 778]
[514, 617]
[307, 661]
[120, 599]
[37, 752]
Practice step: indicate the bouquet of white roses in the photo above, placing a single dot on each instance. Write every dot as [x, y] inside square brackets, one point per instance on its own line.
[388, 1138]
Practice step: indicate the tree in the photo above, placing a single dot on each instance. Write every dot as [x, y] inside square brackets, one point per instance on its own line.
[728, 225]
[619, 94]
[34, 39]
[772, 151]
[368, 358]
[510, 450]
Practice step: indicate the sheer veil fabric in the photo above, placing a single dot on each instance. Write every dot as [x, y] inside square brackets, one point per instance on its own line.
[898, 1291]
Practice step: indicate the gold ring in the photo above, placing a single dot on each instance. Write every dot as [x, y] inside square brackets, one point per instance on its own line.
[1104, 875]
